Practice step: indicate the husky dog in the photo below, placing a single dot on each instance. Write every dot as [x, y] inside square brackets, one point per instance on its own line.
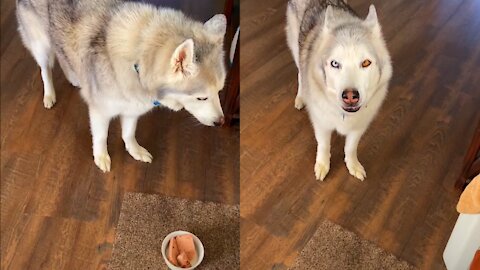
[343, 73]
[127, 58]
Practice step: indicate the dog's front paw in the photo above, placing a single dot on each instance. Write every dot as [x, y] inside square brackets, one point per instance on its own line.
[75, 82]
[103, 161]
[299, 103]
[172, 104]
[321, 169]
[49, 101]
[356, 169]
[140, 153]
[177, 107]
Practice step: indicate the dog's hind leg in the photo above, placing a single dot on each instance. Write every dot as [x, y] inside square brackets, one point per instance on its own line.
[129, 125]
[35, 36]
[292, 30]
[299, 104]
[67, 70]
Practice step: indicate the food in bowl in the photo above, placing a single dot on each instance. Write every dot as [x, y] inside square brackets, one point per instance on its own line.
[181, 251]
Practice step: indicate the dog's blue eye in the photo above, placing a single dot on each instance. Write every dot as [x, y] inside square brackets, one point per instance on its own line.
[335, 64]
[199, 98]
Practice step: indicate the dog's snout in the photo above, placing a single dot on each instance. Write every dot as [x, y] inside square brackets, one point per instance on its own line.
[351, 96]
[220, 121]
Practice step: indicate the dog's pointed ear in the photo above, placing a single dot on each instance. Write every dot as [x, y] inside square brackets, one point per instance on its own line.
[327, 23]
[182, 60]
[217, 26]
[372, 20]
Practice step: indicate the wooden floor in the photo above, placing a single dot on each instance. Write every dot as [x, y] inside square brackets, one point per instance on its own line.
[412, 152]
[58, 210]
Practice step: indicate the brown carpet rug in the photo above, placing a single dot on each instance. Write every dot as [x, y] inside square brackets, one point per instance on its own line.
[145, 220]
[333, 247]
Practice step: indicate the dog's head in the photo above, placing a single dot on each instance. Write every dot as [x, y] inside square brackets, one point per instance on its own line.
[192, 71]
[354, 60]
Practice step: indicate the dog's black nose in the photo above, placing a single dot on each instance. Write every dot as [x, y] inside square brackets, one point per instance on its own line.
[220, 122]
[351, 96]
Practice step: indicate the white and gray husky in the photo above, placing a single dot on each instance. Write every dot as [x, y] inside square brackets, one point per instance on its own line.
[343, 73]
[127, 58]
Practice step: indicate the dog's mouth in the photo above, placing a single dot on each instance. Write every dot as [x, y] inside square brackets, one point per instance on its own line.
[351, 109]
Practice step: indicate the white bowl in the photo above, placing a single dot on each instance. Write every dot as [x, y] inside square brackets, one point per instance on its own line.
[198, 248]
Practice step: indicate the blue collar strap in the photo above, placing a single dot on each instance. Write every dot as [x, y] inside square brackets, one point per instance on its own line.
[156, 103]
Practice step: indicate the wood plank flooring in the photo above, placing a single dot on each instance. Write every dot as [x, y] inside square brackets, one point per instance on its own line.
[412, 151]
[58, 211]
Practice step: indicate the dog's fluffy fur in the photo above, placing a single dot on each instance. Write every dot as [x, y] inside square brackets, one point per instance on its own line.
[329, 43]
[125, 57]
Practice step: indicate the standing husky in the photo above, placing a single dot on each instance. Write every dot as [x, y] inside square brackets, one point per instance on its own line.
[127, 58]
[343, 73]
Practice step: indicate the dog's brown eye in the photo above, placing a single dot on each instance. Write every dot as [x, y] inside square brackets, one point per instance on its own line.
[366, 63]
[202, 98]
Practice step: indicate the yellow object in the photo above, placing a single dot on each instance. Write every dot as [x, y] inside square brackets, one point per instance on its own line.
[469, 202]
